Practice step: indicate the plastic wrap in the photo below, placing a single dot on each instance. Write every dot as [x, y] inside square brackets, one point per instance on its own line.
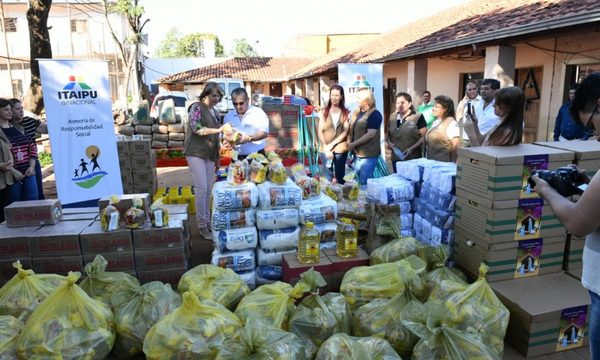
[395, 250]
[384, 225]
[211, 282]
[10, 329]
[226, 196]
[268, 272]
[412, 170]
[232, 219]
[276, 172]
[389, 190]
[280, 239]
[275, 219]
[310, 186]
[100, 284]
[159, 215]
[238, 172]
[351, 190]
[110, 216]
[272, 258]
[334, 190]
[135, 217]
[243, 260]
[318, 210]
[276, 196]
[235, 239]
[436, 258]
[327, 231]
[345, 347]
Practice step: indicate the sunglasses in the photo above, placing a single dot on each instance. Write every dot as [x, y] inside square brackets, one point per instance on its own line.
[239, 103]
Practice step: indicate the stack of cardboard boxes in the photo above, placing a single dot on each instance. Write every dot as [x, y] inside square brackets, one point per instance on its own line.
[137, 161]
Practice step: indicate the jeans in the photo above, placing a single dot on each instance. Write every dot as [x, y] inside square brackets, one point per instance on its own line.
[594, 326]
[338, 166]
[203, 176]
[24, 190]
[38, 178]
[364, 168]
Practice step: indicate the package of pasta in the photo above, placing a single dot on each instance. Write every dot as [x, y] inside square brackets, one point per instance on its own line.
[279, 195]
[276, 172]
[395, 250]
[22, 294]
[351, 190]
[439, 336]
[68, 325]
[274, 219]
[159, 215]
[238, 261]
[110, 217]
[100, 284]
[317, 318]
[272, 258]
[137, 308]
[231, 219]
[135, 217]
[235, 239]
[195, 330]
[310, 186]
[238, 172]
[274, 303]
[363, 284]
[210, 282]
[227, 196]
[327, 230]
[318, 209]
[436, 258]
[10, 329]
[343, 346]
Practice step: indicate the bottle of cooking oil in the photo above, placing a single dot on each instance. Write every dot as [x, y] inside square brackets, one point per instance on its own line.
[308, 244]
[346, 238]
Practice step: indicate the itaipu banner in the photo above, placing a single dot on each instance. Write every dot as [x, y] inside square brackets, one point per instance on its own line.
[80, 125]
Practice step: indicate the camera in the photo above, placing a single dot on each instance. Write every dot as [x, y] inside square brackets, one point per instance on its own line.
[565, 180]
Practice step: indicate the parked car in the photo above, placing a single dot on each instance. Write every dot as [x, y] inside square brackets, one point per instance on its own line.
[179, 97]
[227, 85]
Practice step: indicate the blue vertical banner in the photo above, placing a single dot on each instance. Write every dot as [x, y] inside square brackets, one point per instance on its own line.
[80, 126]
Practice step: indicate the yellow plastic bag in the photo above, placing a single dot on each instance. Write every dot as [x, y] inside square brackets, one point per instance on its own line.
[274, 303]
[211, 282]
[68, 325]
[137, 309]
[345, 347]
[10, 329]
[195, 330]
[436, 258]
[261, 341]
[100, 284]
[363, 284]
[440, 339]
[25, 291]
[318, 317]
[110, 216]
[395, 250]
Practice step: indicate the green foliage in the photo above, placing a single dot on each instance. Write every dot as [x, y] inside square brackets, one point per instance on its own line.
[166, 48]
[134, 12]
[45, 158]
[190, 45]
[241, 48]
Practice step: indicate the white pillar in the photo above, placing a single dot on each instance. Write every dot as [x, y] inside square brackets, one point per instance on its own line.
[500, 64]
[416, 81]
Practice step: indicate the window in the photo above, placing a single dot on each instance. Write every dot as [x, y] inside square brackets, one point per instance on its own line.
[17, 85]
[10, 25]
[79, 25]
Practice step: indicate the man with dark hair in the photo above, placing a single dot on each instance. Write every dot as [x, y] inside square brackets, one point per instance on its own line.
[565, 128]
[484, 110]
[426, 108]
[249, 120]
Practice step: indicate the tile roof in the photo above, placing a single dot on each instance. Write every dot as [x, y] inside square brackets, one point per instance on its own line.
[460, 26]
[249, 69]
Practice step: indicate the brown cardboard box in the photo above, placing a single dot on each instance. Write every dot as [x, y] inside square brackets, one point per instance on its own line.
[145, 176]
[167, 276]
[150, 237]
[81, 216]
[95, 241]
[587, 153]
[145, 162]
[177, 208]
[505, 259]
[574, 253]
[123, 148]
[14, 242]
[139, 147]
[158, 259]
[575, 273]
[58, 240]
[539, 309]
[292, 268]
[497, 172]
[125, 164]
[117, 261]
[126, 176]
[128, 188]
[80, 210]
[7, 270]
[340, 265]
[125, 202]
[57, 265]
[33, 212]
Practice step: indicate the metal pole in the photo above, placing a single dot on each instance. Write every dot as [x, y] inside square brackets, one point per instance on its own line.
[12, 93]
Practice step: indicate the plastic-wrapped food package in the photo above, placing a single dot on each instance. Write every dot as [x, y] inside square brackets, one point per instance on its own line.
[275, 219]
[237, 261]
[22, 294]
[280, 239]
[276, 196]
[318, 210]
[273, 258]
[238, 172]
[310, 186]
[110, 216]
[259, 340]
[406, 221]
[258, 171]
[268, 272]
[159, 215]
[351, 190]
[441, 236]
[334, 190]
[100, 284]
[407, 233]
[431, 171]
[418, 223]
[388, 190]
[235, 239]
[412, 170]
[10, 329]
[327, 231]
[137, 309]
[436, 258]
[135, 217]
[327, 245]
[249, 277]
[214, 283]
[344, 347]
[68, 325]
[195, 330]
[395, 250]
[426, 231]
[445, 181]
[227, 196]
[319, 317]
[276, 172]
[232, 219]
[384, 225]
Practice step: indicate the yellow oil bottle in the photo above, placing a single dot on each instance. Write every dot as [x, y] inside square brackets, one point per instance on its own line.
[346, 238]
[308, 244]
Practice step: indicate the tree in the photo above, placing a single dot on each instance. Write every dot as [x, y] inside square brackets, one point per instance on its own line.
[39, 44]
[166, 48]
[241, 48]
[191, 45]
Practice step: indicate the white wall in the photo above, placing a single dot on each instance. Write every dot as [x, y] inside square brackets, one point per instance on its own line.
[443, 76]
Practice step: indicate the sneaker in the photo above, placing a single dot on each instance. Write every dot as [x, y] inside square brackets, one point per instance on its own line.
[205, 233]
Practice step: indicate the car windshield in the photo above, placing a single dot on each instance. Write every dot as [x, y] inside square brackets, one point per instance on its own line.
[179, 101]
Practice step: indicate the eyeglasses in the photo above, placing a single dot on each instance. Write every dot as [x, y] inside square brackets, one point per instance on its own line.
[239, 103]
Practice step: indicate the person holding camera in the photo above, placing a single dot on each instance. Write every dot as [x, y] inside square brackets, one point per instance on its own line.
[581, 217]
[467, 106]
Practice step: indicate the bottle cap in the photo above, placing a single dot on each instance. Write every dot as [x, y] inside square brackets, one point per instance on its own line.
[309, 225]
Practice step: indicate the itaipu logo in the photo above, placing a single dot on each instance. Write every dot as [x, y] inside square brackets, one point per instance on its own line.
[82, 175]
[77, 92]
[360, 82]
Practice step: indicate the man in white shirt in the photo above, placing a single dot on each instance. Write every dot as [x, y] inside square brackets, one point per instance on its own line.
[471, 99]
[249, 120]
[484, 110]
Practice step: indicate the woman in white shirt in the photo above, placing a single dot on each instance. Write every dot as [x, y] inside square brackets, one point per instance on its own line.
[443, 138]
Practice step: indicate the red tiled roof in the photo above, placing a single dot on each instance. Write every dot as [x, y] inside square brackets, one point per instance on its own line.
[249, 69]
[459, 26]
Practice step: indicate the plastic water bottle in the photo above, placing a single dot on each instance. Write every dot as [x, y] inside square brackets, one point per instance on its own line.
[308, 244]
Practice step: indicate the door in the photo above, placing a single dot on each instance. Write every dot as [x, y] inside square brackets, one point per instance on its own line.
[275, 90]
[389, 102]
[530, 80]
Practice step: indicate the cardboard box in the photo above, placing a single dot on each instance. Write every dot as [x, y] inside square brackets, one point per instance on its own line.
[125, 202]
[82, 216]
[95, 241]
[126, 176]
[292, 268]
[177, 208]
[159, 259]
[14, 242]
[124, 164]
[145, 162]
[145, 176]
[117, 261]
[501, 172]
[587, 153]
[181, 220]
[167, 276]
[508, 260]
[33, 212]
[7, 270]
[574, 253]
[508, 220]
[150, 237]
[340, 265]
[80, 210]
[543, 310]
[58, 240]
[57, 264]
[123, 148]
[128, 188]
[575, 273]
[139, 147]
